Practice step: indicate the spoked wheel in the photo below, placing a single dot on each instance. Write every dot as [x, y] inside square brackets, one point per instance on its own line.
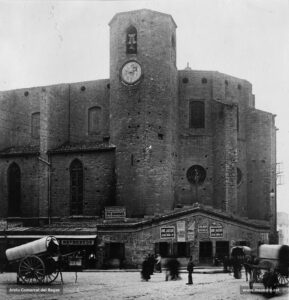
[282, 280]
[51, 270]
[31, 270]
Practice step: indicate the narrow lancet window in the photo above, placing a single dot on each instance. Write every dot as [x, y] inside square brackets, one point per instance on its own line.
[131, 40]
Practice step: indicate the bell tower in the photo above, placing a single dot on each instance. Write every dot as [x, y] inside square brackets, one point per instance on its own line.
[143, 109]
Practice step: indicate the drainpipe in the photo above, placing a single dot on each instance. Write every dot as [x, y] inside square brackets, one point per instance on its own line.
[48, 163]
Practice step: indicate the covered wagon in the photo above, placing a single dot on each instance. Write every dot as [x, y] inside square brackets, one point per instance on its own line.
[272, 266]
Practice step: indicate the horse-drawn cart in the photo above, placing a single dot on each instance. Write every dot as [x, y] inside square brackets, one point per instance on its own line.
[272, 266]
[37, 261]
[238, 258]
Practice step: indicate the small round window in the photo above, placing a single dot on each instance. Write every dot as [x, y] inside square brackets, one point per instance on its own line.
[239, 176]
[196, 174]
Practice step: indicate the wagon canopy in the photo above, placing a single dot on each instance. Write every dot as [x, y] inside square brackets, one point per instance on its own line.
[241, 251]
[274, 252]
[47, 244]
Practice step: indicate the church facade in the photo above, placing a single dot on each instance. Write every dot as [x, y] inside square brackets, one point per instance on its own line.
[153, 159]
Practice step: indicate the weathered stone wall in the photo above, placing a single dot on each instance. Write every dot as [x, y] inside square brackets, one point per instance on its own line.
[29, 168]
[261, 164]
[17, 107]
[98, 182]
[138, 244]
[144, 117]
[84, 96]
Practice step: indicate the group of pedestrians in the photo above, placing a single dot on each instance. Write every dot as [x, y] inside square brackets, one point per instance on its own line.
[152, 264]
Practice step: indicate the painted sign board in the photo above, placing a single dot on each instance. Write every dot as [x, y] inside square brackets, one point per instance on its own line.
[167, 232]
[77, 242]
[203, 228]
[216, 231]
[115, 212]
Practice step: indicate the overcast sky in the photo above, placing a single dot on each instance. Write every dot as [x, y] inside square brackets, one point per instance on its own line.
[49, 42]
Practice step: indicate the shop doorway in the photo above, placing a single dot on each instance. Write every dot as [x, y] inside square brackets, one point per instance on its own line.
[115, 254]
[222, 249]
[205, 252]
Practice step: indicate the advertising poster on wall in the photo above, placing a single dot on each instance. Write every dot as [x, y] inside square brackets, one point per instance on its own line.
[191, 231]
[216, 230]
[181, 231]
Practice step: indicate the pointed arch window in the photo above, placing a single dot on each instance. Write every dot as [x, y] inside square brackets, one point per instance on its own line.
[35, 125]
[94, 120]
[14, 190]
[131, 40]
[76, 188]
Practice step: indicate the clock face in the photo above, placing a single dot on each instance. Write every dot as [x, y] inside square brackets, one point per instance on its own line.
[131, 72]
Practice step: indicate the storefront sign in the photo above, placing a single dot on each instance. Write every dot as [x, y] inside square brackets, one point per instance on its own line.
[115, 212]
[167, 232]
[216, 230]
[203, 228]
[77, 242]
[181, 231]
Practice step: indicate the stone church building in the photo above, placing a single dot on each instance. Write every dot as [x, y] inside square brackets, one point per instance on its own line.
[153, 159]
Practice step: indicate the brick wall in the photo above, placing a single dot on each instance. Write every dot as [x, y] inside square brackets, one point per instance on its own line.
[17, 106]
[260, 147]
[83, 96]
[98, 182]
[29, 167]
[143, 117]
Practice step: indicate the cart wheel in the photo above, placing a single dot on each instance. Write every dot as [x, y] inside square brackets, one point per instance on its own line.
[282, 280]
[31, 270]
[51, 270]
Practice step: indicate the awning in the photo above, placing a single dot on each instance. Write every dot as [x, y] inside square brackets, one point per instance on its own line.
[73, 237]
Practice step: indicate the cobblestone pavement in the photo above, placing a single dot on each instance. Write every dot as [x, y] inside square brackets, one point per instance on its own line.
[128, 286]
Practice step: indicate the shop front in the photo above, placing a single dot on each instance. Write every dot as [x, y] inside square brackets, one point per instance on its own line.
[200, 232]
[71, 244]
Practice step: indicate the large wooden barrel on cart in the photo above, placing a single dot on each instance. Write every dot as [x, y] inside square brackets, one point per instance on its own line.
[37, 260]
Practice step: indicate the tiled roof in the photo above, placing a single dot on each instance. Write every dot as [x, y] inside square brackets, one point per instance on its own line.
[20, 150]
[87, 147]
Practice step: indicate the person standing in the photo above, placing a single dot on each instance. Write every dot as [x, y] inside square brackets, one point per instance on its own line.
[190, 269]
[158, 263]
[146, 270]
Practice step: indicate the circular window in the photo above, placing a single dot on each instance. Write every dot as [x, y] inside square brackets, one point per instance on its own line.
[239, 176]
[196, 174]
